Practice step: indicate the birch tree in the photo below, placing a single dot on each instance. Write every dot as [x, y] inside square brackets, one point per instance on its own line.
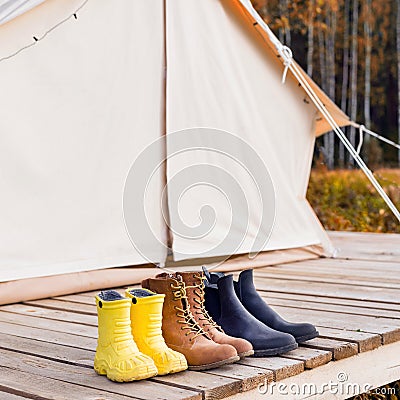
[367, 77]
[323, 75]
[331, 71]
[321, 52]
[345, 71]
[367, 67]
[353, 74]
[398, 75]
[310, 37]
[284, 30]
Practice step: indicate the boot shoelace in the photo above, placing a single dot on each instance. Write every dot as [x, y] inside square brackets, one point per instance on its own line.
[199, 299]
[185, 315]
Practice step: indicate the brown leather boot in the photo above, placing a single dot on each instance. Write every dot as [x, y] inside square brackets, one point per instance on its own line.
[194, 282]
[180, 330]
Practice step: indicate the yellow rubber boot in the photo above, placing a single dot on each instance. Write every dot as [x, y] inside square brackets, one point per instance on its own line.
[117, 355]
[146, 321]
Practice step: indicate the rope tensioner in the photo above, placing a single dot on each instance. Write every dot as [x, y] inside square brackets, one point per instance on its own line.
[287, 58]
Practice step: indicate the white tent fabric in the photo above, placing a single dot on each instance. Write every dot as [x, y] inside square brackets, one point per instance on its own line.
[83, 95]
[76, 110]
[10, 9]
[222, 75]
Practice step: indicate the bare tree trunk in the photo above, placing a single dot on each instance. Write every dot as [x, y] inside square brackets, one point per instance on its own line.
[281, 32]
[368, 49]
[284, 31]
[398, 69]
[345, 76]
[331, 81]
[264, 9]
[287, 26]
[310, 38]
[321, 51]
[353, 73]
[329, 140]
[324, 74]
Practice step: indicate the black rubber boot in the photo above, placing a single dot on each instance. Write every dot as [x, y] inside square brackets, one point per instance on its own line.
[252, 301]
[226, 309]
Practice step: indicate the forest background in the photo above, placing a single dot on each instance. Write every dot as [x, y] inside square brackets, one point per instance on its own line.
[351, 48]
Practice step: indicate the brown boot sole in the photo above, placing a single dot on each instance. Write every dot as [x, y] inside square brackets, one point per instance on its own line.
[246, 354]
[213, 365]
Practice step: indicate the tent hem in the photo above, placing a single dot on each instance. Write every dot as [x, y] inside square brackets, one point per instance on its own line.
[56, 285]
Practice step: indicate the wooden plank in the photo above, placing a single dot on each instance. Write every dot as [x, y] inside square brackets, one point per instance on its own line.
[337, 308]
[32, 386]
[93, 293]
[332, 300]
[338, 348]
[208, 385]
[347, 376]
[51, 351]
[64, 306]
[329, 290]
[368, 268]
[250, 377]
[44, 335]
[367, 246]
[365, 341]
[311, 357]
[387, 328]
[281, 367]
[10, 396]
[280, 273]
[56, 315]
[53, 325]
[78, 298]
[87, 379]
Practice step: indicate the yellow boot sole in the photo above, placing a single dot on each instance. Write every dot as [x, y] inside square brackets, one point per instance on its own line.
[172, 367]
[135, 374]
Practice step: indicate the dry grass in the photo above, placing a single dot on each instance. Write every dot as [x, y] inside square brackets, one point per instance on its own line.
[346, 200]
[387, 392]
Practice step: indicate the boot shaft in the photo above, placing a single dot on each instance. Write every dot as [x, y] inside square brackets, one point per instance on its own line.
[231, 304]
[245, 284]
[170, 288]
[146, 317]
[178, 323]
[114, 323]
[195, 290]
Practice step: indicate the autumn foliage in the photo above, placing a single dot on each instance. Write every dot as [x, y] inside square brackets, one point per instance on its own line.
[349, 48]
[345, 200]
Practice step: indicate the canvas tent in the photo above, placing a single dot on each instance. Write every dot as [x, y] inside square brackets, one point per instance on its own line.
[86, 86]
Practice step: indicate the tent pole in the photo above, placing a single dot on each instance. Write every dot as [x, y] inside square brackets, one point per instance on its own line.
[166, 215]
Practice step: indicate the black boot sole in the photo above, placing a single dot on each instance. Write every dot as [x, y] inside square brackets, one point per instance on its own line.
[304, 338]
[274, 352]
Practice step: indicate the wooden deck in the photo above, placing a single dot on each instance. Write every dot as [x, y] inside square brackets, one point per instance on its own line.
[47, 346]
